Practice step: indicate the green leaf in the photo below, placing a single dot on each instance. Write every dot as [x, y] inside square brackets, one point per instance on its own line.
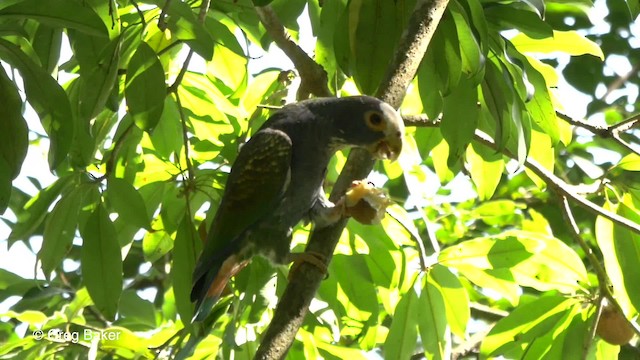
[630, 162]
[372, 37]
[186, 247]
[145, 89]
[401, 341]
[485, 167]
[184, 25]
[353, 277]
[36, 209]
[98, 73]
[156, 244]
[540, 107]
[163, 137]
[101, 262]
[14, 138]
[497, 98]
[460, 118]
[47, 43]
[60, 229]
[506, 17]
[627, 251]
[523, 325]
[444, 48]
[47, 98]
[568, 42]
[432, 322]
[127, 202]
[472, 58]
[58, 13]
[456, 298]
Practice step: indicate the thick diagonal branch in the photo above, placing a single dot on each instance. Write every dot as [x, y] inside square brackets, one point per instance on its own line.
[294, 304]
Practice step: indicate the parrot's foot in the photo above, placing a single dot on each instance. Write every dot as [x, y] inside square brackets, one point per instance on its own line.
[365, 203]
[312, 257]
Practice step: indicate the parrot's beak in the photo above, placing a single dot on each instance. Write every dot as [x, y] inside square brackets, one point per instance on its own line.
[390, 146]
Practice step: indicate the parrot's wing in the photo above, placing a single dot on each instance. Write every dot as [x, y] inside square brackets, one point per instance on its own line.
[258, 179]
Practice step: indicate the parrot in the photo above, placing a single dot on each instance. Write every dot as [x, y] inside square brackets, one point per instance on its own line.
[277, 180]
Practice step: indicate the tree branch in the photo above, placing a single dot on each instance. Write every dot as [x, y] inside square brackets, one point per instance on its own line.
[554, 182]
[294, 304]
[313, 78]
[605, 132]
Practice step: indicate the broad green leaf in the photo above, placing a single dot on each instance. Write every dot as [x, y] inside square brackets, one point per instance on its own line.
[372, 38]
[37, 208]
[355, 281]
[185, 247]
[456, 298]
[627, 250]
[430, 87]
[522, 326]
[47, 43]
[440, 157]
[460, 118]
[568, 42]
[432, 322]
[14, 139]
[550, 344]
[122, 339]
[445, 50]
[229, 67]
[485, 167]
[472, 58]
[98, 74]
[163, 137]
[540, 107]
[577, 335]
[135, 312]
[127, 202]
[608, 245]
[58, 13]
[145, 89]
[403, 334]
[508, 16]
[541, 150]
[630, 162]
[490, 253]
[47, 98]
[60, 229]
[5, 184]
[325, 29]
[497, 98]
[101, 262]
[184, 25]
[156, 244]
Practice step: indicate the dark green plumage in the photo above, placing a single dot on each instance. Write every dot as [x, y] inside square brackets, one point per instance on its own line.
[276, 181]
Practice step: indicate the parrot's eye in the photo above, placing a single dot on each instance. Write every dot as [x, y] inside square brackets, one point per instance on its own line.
[375, 121]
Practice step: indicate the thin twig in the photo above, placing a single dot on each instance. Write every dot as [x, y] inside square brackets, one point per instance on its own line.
[312, 76]
[554, 182]
[607, 132]
[559, 186]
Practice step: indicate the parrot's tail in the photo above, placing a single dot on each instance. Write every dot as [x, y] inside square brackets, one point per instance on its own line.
[207, 288]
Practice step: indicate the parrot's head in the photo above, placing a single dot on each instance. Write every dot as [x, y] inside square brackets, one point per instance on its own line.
[369, 123]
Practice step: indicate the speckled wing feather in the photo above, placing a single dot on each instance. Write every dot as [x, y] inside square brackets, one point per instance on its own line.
[258, 179]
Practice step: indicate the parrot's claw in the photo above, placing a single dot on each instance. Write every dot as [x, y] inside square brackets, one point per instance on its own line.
[312, 257]
[365, 203]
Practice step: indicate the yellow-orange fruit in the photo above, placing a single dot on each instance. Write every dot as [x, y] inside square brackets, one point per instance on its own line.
[365, 203]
